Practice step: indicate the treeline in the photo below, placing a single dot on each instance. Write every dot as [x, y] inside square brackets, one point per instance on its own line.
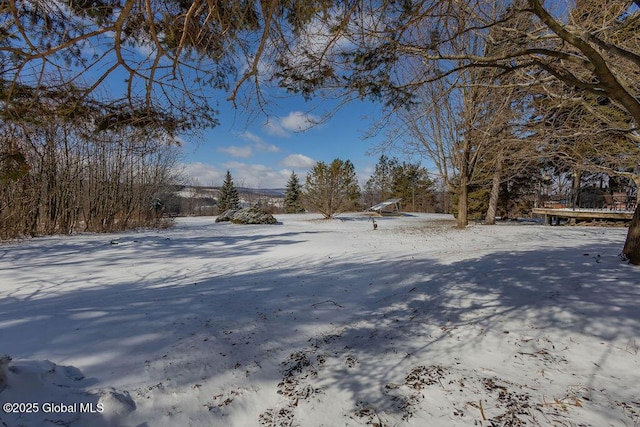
[65, 178]
[407, 181]
[332, 188]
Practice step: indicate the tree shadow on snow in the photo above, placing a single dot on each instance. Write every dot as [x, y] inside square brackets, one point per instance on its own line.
[187, 330]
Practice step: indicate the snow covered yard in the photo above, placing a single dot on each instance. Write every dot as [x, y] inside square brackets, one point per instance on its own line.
[322, 323]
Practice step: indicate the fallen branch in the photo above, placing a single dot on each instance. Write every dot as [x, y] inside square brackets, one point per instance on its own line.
[324, 302]
[482, 410]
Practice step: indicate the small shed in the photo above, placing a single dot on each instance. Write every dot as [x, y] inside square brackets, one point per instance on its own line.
[388, 207]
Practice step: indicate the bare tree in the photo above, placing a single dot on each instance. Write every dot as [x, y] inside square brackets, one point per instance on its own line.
[463, 131]
[75, 182]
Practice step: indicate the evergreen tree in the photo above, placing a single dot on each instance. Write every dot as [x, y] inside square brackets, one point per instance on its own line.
[228, 198]
[407, 181]
[333, 188]
[412, 184]
[379, 186]
[293, 195]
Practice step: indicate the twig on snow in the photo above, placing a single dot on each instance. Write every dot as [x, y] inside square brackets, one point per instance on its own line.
[482, 410]
[324, 302]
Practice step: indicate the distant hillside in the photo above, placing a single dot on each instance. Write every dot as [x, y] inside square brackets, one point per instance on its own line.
[187, 200]
[272, 192]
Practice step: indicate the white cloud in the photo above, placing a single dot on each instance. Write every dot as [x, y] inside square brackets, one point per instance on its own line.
[267, 147]
[298, 161]
[258, 142]
[295, 121]
[273, 127]
[244, 175]
[246, 135]
[198, 173]
[257, 176]
[235, 151]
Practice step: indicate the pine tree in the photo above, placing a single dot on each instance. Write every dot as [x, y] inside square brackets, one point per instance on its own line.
[228, 198]
[293, 195]
[379, 186]
[412, 184]
[330, 189]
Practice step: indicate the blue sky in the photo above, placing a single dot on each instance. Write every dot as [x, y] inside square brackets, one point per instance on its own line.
[261, 152]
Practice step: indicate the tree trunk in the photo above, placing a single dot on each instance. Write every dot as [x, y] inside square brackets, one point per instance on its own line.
[632, 245]
[490, 218]
[463, 203]
[575, 188]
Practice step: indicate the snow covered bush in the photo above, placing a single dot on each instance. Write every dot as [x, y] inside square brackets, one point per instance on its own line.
[226, 215]
[254, 215]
